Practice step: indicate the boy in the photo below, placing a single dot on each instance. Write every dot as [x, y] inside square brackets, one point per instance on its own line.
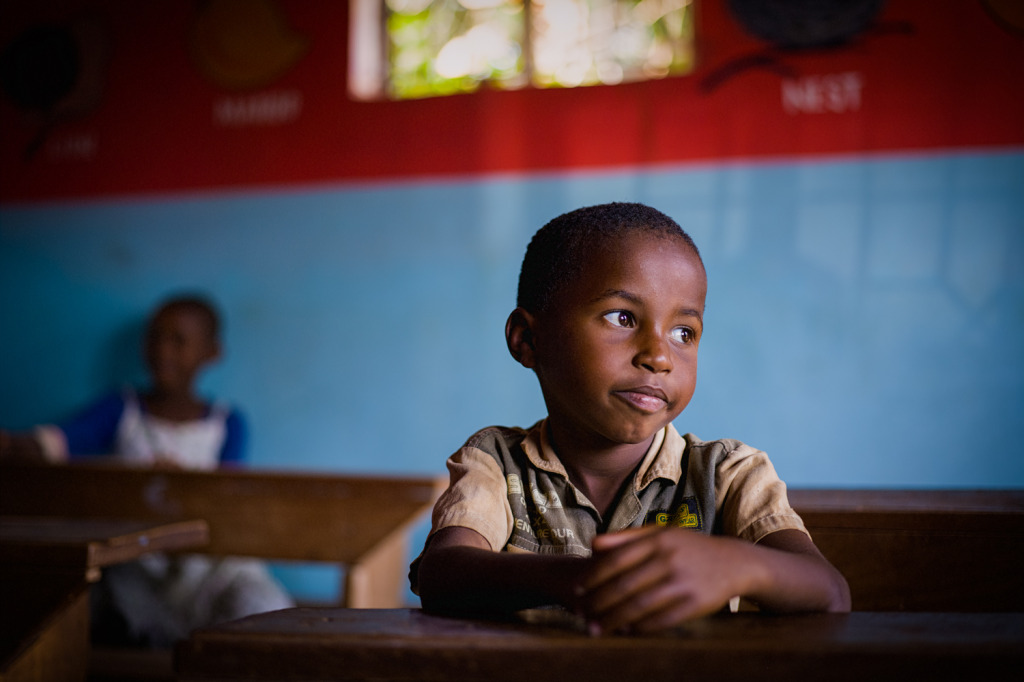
[594, 507]
[159, 599]
[165, 426]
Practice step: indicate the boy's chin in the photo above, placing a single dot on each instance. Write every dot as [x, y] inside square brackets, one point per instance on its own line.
[638, 435]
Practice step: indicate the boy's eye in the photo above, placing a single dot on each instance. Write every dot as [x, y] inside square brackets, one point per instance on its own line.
[682, 335]
[620, 318]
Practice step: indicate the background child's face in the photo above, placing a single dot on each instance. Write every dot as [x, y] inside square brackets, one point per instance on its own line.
[616, 355]
[178, 343]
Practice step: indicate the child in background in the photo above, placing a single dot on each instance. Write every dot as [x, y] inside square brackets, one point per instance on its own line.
[594, 508]
[159, 599]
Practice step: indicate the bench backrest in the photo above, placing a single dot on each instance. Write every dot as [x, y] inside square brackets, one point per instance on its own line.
[922, 550]
[361, 522]
[311, 517]
[900, 550]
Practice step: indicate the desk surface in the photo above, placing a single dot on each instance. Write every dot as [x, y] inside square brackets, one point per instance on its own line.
[84, 545]
[343, 644]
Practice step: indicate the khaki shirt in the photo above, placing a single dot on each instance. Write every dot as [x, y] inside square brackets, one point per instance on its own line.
[508, 485]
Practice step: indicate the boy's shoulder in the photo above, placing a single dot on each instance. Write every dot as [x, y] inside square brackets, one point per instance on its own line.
[728, 462]
[494, 439]
[694, 442]
[716, 452]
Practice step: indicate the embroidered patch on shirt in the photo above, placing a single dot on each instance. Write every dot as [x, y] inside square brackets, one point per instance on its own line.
[686, 515]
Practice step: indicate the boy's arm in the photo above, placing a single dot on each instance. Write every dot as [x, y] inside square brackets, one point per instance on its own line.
[20, 448]
[649, 578]
[460, 573]
[804, 579]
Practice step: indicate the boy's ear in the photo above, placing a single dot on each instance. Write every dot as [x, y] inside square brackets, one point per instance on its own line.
[519, 336]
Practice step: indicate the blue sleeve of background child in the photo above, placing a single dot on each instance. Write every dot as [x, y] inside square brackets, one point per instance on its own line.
[94, 430]
[235, 439]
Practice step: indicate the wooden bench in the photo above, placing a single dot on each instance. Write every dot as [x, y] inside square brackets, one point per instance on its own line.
[46, 567]
[361, 523]
[900, 550]
[922, 550]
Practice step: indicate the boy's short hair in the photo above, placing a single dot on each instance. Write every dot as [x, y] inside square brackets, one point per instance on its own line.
[194, 303]
[558, 251]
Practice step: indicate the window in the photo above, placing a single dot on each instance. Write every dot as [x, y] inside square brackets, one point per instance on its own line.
[404, 49]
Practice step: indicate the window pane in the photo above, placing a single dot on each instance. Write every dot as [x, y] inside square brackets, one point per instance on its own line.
[419, 48]
[444, 46]
[588, 42]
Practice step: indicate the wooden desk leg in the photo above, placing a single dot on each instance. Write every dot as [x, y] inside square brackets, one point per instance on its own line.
[61, 652]
[378, 580]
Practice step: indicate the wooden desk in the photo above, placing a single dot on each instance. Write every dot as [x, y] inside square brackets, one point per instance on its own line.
[84, 546]
[380, 644]
[362, 523]
[46, 565]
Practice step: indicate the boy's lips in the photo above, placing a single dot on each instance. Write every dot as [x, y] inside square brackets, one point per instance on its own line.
[644, 398]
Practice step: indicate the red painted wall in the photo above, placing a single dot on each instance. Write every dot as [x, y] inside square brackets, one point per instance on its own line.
[145, 119]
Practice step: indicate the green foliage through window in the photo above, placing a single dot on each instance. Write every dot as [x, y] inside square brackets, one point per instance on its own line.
[423, 48]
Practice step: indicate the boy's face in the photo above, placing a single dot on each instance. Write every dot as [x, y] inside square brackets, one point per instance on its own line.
[178, 343]
[616, 354]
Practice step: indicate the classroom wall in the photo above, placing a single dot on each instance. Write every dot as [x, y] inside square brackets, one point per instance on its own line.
[864, 318]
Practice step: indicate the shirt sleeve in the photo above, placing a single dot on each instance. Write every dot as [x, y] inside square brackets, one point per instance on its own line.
[476, 498]
[236, 439]
[93, 430]
[751, 496]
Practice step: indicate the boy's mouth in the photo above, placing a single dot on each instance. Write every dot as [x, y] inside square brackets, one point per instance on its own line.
[644, 398]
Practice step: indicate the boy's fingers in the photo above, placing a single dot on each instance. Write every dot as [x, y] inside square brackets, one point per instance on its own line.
[636, 583]
[622, 551]
[623, 586]
[608, 563]
[660, 607]
[664, 605]
[609, 541]
[672, 616]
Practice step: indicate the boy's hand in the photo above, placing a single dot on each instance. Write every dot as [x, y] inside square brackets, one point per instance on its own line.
[651, 578]
[20, 448]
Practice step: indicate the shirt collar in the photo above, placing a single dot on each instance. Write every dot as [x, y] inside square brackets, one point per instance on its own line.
[663, 458]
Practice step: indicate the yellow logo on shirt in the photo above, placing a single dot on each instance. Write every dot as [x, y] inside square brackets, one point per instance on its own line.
[686, 515]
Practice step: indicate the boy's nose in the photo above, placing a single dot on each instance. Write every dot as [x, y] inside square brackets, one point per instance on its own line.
[653, 354]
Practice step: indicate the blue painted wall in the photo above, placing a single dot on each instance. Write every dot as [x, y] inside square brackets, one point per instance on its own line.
[865, 318]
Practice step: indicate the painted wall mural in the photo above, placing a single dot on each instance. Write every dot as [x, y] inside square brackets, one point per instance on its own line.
[114, 97]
